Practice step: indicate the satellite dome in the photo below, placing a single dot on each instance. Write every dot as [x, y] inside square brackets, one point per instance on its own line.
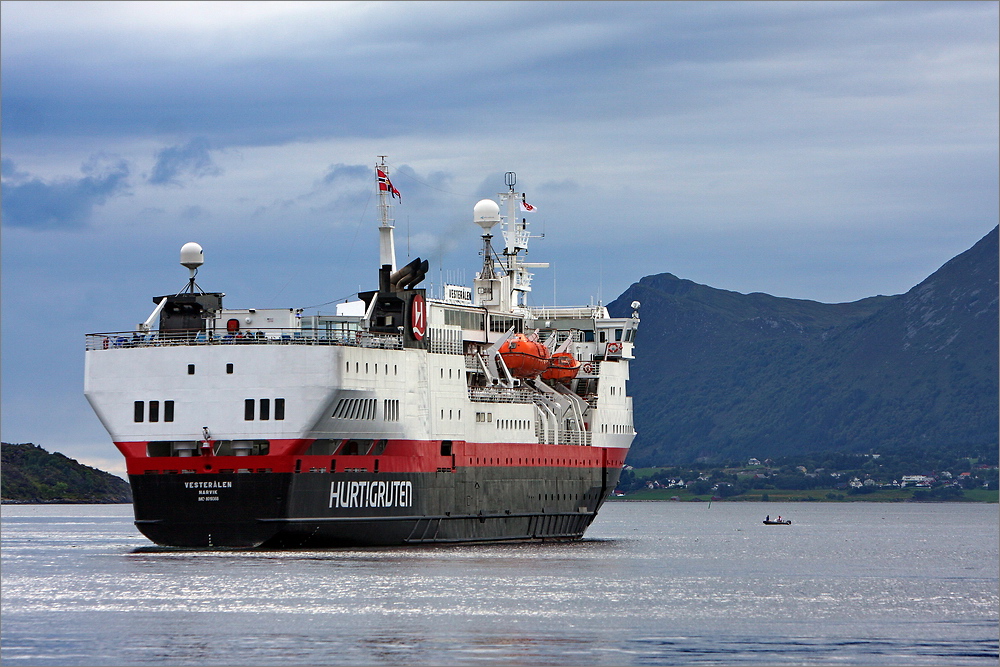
[192, 256]
[486, 214]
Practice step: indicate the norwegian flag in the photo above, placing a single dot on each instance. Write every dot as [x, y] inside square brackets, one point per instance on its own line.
[525, 206]
[385, 185]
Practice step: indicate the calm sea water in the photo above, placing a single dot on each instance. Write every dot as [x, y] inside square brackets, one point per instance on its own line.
[653, 584]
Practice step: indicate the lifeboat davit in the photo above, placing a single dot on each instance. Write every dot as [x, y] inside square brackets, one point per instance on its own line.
[563, 367]
[524, 357]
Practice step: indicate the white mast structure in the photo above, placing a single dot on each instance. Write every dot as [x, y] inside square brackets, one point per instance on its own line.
[386, 244]
[515, 235]
[507, 291]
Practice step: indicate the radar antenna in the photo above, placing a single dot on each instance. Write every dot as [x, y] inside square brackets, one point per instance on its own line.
[192, 257]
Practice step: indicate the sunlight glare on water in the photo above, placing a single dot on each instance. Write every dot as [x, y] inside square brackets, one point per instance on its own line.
[653, 583]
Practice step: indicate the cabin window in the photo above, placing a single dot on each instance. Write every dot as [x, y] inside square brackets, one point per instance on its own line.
[279, 409]
[229, 369]
[588, 336]
[248, 409]
[190, 369]
[265, 408]
[603, 337]
[618, 334]
[168, 411]
[140, 410]
[154, 411]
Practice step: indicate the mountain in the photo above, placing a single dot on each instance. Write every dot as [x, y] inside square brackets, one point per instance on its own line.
[29, 474]
[720, 375]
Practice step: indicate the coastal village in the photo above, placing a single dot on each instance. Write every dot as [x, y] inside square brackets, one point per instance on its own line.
[840, 477]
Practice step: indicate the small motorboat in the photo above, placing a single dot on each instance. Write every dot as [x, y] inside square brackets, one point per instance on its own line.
[786, 522]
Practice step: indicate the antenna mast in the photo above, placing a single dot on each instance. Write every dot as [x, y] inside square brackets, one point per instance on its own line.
[516, 237]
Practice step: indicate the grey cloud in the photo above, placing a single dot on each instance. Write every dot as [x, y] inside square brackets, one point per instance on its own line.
[564, 186]
[10, 171]
[191, 159]
[66, 203]
[322, 78]
[350, 172]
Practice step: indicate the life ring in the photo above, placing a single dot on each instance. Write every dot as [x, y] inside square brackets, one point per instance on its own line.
[614, 348]
[587, 368]
[106, 343]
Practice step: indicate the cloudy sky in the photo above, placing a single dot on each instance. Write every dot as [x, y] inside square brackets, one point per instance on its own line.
[825, 151]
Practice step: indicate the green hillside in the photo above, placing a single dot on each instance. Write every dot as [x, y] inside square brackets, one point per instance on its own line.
[29, 474]
[726, 376]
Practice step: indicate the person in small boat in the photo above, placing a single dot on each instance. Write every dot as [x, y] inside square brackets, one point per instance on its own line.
[767, 518]
[779, 519]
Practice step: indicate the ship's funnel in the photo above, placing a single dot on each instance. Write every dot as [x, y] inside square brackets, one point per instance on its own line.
[408, 276]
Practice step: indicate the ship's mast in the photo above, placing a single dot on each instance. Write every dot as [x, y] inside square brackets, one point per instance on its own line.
[386, 244]
[515, 234]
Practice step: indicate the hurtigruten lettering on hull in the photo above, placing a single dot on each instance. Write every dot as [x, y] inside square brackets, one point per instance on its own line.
[407, 417]
[371, 494]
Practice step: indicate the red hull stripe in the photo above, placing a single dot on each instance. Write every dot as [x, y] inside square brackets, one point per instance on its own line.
[405, 456]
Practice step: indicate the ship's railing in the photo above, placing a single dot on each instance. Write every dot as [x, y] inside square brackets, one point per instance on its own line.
[472, 362]
[133, 339]
[444, 341]
[501, 395]
[580, 438]
[575, 313]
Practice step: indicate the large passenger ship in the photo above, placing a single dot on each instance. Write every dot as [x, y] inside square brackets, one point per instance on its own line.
[405, 418]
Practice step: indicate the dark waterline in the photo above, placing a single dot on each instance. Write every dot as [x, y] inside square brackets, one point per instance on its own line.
[653, 584]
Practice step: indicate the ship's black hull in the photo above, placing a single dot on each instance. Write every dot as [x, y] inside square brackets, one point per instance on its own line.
[320, 509]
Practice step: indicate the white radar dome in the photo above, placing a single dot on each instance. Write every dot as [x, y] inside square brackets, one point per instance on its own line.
[486, 213]
[192, 256]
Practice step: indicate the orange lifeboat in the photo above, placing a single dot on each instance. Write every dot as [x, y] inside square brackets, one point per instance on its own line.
[524, 357]
[563, 367]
